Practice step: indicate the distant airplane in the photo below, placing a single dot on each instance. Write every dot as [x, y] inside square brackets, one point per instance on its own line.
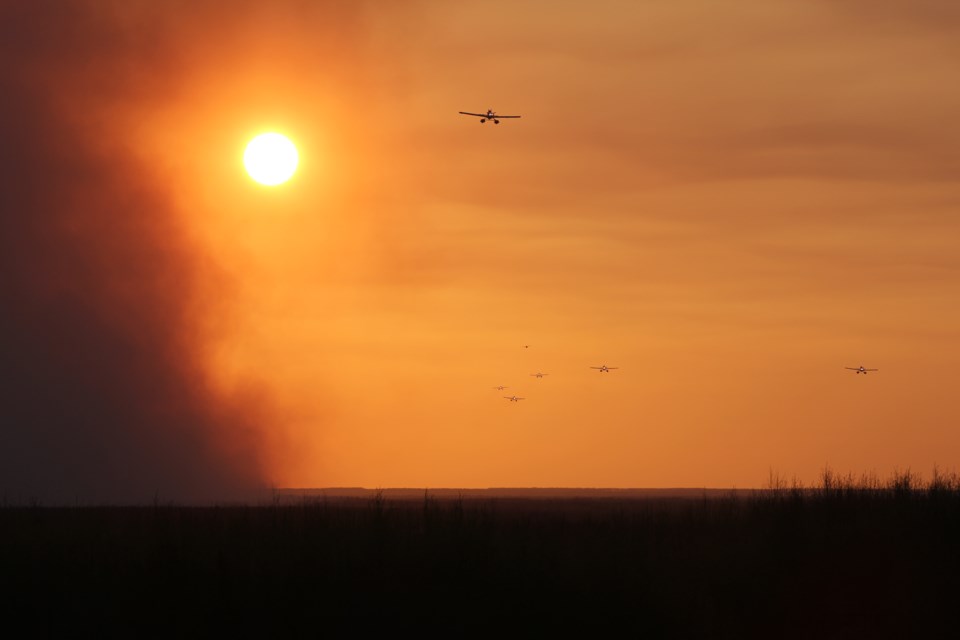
[526, 346]
[539, 375]
[489, 115]
[513, 398]
[860, 369]
[604, 368]
[501, 388]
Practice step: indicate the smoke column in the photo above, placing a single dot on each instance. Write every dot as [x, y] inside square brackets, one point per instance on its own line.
[103, 396]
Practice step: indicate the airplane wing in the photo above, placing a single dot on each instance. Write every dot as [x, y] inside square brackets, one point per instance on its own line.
[871, 369]
[479, 115]
[500, 116]
[852, 368]
[596, 367]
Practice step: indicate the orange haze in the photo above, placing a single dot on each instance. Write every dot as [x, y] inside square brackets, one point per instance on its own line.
[730, 202]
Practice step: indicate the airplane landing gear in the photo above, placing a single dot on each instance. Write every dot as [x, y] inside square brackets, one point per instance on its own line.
[496, 122]
[482, 120]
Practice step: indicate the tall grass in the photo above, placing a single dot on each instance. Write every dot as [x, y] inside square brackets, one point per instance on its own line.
[847, 557]
[832, 486]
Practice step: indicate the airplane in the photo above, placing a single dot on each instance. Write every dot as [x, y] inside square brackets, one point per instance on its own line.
[501, 387]
[860, 369]
[604, 368]
[513, 398]
[489, 115]
[539, 375]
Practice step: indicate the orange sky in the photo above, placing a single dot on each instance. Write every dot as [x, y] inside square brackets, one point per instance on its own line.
[730, 203]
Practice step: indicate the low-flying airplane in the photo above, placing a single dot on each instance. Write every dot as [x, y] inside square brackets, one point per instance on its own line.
[513, 398]
[501, 387]
[539, 375]
[860, 369]
[489, 115]
[604, 368]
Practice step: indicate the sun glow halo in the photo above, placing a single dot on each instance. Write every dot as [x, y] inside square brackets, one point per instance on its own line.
[270, 159]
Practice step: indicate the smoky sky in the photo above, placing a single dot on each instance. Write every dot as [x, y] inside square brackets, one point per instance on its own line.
[103, 395]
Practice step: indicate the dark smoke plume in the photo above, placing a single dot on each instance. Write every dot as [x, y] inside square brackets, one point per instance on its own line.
[102, 397]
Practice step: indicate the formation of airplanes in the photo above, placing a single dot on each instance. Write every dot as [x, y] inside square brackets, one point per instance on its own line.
[540, 375]
[492, 115]
[605, 369]
[489, 115]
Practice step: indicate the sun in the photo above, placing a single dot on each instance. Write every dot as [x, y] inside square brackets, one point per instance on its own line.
[270, 159]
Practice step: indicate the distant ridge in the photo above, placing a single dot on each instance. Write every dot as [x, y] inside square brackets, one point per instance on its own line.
[412, 493]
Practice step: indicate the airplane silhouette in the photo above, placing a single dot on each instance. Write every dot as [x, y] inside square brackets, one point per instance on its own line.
[860, 369]
[489, 115]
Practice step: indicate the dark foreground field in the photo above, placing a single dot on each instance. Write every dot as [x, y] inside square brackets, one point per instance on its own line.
[845, 560]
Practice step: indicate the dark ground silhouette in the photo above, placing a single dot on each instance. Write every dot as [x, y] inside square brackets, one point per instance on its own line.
[844, 560]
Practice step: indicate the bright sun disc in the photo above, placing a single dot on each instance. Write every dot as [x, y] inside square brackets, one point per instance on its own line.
[270, 159]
